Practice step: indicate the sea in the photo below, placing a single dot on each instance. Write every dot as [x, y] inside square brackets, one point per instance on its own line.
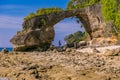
[9, 49]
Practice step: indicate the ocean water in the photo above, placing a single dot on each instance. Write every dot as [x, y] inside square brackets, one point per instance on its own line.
[9, 49]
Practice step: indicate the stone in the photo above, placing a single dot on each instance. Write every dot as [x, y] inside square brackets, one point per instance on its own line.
[68, 50]
[52, 47]
[54, 50]
[64, 47]
[36, 34]
[114, 52]
[32, 40]
[31, 67]
[95, 50]
[59, 49]
[82, 43]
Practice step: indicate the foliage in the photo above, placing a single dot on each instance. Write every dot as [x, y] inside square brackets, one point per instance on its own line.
[110, 9]
[43, 11]
[85, 34]
[31, 15]
[70, 6]
[43, 22]
[117, 22]
[47, 11]
[76, 4]
[75, 37]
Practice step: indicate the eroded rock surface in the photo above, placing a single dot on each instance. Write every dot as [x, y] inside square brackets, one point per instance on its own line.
[38, 32]
[69, 65]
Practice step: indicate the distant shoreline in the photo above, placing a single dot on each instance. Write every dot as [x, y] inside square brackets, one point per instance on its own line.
[8, 48]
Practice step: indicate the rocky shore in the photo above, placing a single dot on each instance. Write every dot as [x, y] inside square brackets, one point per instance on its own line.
[53, 65]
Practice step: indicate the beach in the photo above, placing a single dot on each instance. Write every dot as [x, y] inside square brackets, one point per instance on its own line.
[53, 65]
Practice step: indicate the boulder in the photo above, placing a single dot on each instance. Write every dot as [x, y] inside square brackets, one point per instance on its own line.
[82, 43]
[33, 39]
[68, 50]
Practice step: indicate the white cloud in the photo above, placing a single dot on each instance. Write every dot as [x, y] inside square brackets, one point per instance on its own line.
[5, 40]
[10, 21]
[9, 25]
[68, 27]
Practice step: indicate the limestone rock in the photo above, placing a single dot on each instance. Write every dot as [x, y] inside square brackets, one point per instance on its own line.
[95, 51]
[82, 43]
[33, 39]
[36, 33]
[68, 50]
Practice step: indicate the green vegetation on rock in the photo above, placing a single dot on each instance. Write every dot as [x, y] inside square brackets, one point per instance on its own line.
[75, 37]
[110, 9]
[76, 4]
[43, 21]
[111, 12]
[31, 15]
[43, 11]
[47, 11]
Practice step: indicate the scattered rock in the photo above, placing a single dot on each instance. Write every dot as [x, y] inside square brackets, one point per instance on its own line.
[114, 52]
[95, 50]
[31, 67]
[82, 43]
[59, 49]
[68, 50]
[52, 47]
[55, 51]
[69, 65]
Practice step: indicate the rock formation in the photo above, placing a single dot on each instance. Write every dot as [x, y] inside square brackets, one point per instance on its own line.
[38, 32]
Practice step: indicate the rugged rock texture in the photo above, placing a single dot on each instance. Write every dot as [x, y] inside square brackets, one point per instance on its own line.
[38, 32]
[69, 65]
[33, 39]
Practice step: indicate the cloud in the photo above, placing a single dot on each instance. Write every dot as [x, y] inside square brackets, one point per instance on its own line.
[9, 25]
[10, 21]
[5, 40]
[69, 27]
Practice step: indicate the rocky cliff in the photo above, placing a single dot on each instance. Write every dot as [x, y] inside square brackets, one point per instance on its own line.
[38, 32]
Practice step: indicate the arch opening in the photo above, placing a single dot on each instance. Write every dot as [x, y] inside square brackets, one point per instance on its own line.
[65, 28]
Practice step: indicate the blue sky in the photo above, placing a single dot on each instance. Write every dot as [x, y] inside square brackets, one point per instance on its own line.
[12, 13]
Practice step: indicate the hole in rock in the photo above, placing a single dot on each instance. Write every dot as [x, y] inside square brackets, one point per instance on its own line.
[66, 27]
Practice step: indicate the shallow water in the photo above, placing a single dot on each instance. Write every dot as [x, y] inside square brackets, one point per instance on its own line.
[9, 49]
[5, 79]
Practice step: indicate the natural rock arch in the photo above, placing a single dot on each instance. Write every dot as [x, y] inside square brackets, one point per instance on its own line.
[39, 31]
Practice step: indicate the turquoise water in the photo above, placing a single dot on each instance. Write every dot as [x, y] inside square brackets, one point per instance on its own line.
[9, 49]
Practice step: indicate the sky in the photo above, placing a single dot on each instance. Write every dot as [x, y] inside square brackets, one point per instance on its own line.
[12, 13]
